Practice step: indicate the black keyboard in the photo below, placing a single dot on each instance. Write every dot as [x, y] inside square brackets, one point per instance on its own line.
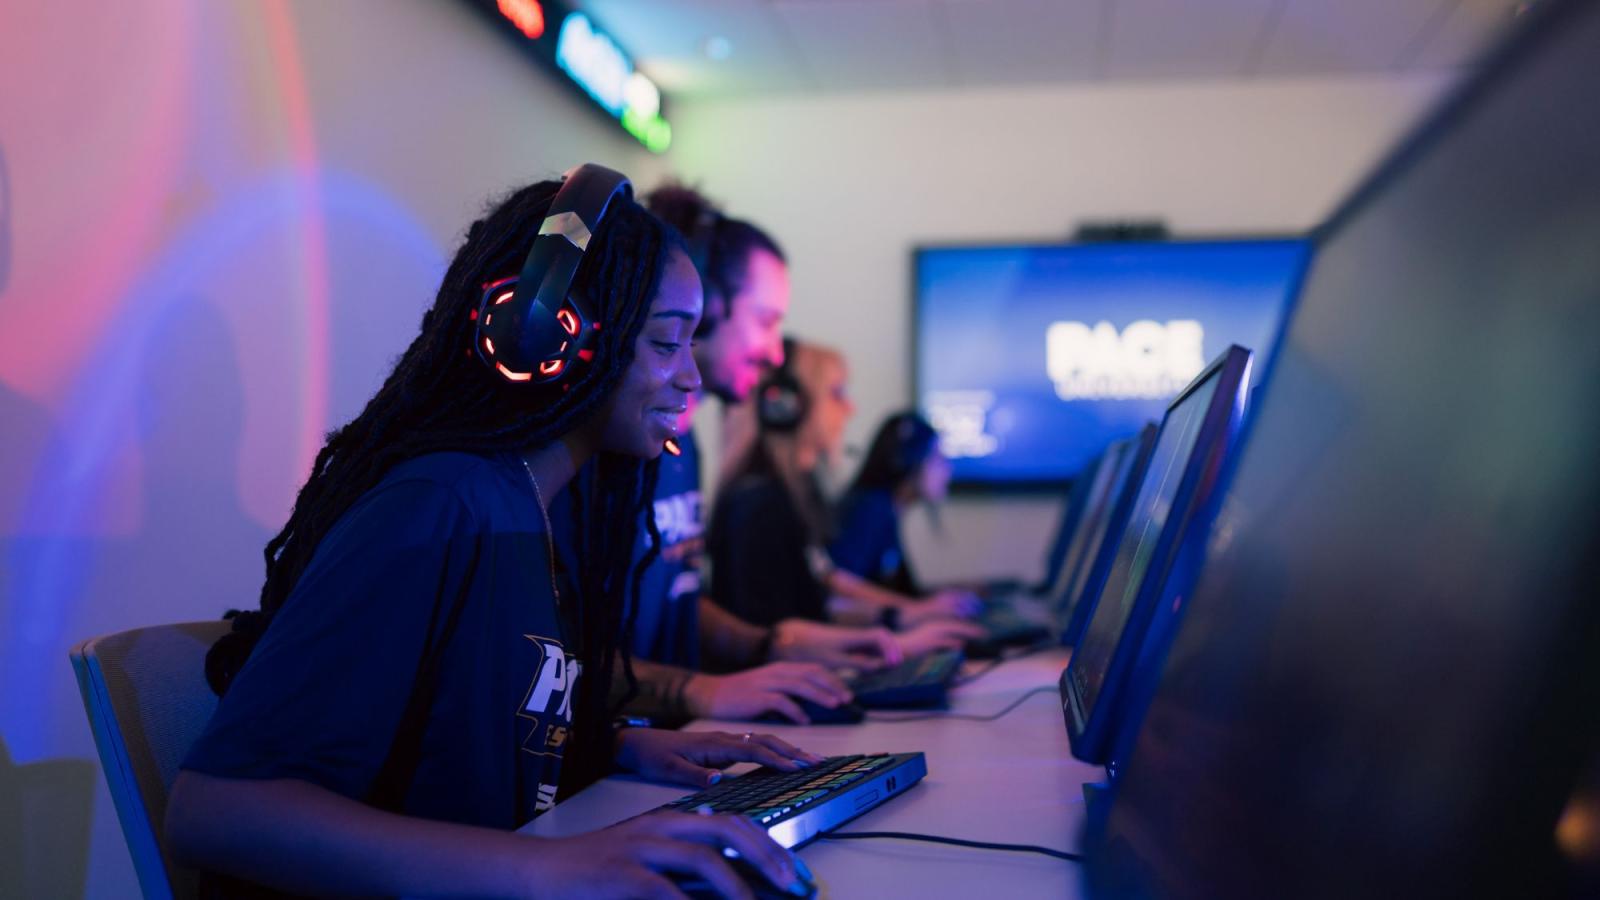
[796, 806]
[922, 681]
[1006, 627]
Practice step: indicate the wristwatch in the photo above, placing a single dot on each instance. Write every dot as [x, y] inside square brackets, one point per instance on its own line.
[890, 618]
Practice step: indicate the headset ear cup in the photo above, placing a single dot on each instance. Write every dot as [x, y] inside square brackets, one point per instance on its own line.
[781, 403]
[534, 327]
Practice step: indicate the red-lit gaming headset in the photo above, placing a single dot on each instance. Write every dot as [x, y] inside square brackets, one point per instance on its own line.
[533, 326]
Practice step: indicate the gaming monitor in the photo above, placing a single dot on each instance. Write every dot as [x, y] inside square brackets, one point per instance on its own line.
[1099, 552]
[1031, 360]
[1099, 494]
[1079, 497]
[1195, 436]
[1386, 682]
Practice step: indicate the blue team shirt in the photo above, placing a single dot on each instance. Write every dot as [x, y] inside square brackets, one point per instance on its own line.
[668, 627]
[867, 541]
[322, 696]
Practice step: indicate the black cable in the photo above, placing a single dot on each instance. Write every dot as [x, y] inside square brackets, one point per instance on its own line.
[964, 716]
[958, 842]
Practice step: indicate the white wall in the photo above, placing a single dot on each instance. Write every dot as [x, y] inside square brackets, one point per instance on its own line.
[850, 184]
[220, 221]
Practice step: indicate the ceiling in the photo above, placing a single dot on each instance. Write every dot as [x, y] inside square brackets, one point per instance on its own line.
[813, 46]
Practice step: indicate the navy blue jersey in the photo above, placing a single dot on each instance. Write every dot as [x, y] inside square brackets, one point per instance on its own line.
[323, 695]
[765, 565]
[667, 629]
[867, 542]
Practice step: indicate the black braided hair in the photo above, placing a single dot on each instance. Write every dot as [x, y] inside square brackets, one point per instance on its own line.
[441, 397]
[720, 246]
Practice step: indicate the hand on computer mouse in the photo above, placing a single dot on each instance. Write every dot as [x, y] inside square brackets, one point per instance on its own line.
[693, 757]
[645, 855]
[785, 689]
[802, 887]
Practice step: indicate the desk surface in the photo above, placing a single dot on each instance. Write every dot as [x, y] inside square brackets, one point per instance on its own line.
[1010, 781]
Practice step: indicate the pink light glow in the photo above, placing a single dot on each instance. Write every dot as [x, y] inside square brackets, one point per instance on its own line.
[102, 228]
[314, 271]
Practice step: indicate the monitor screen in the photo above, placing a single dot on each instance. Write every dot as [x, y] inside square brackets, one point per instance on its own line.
[1069, 531]
[1384, 683]
[1091, 658]
[1099, 494]
[1030, 360]
[1098, 552]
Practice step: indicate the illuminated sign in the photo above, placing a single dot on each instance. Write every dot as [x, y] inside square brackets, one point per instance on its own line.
[600, 67]
[589, 58]
[1146, 360]
[527, 15]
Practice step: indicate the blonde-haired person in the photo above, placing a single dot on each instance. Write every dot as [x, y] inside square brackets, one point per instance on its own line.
[771, 523]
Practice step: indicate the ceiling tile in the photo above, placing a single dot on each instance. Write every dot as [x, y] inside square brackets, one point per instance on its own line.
[1023, 41]
[1183, 38]
[1466, 32]
[1314, 37]
[868, 44]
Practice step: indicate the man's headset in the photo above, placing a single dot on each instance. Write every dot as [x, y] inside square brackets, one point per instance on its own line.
[533, 327]
[781, 401]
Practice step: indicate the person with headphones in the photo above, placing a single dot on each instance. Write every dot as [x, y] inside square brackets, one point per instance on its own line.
[771, 525]
[421, 677]
[904, 466]
[693, 659]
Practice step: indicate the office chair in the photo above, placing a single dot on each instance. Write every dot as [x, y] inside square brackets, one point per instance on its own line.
[146, 696]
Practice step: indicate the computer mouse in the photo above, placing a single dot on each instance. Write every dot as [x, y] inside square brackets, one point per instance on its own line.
[804, 886]
[843, 714]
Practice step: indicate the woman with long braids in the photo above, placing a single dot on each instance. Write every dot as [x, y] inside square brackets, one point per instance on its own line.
[419, 669]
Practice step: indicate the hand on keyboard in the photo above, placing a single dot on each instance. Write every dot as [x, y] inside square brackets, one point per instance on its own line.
[951, 603]
[693, 757]
[835, 645]
[946, 634]
[776, 688]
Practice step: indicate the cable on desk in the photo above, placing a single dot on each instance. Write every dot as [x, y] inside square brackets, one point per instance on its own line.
[871, 717]
[958, 842]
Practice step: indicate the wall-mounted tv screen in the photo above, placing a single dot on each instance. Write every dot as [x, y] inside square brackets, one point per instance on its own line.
[1031, 359]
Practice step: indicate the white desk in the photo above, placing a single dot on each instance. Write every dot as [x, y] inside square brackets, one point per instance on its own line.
[1010, 781]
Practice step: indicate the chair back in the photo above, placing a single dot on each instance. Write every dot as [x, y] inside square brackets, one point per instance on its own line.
[147, 699]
